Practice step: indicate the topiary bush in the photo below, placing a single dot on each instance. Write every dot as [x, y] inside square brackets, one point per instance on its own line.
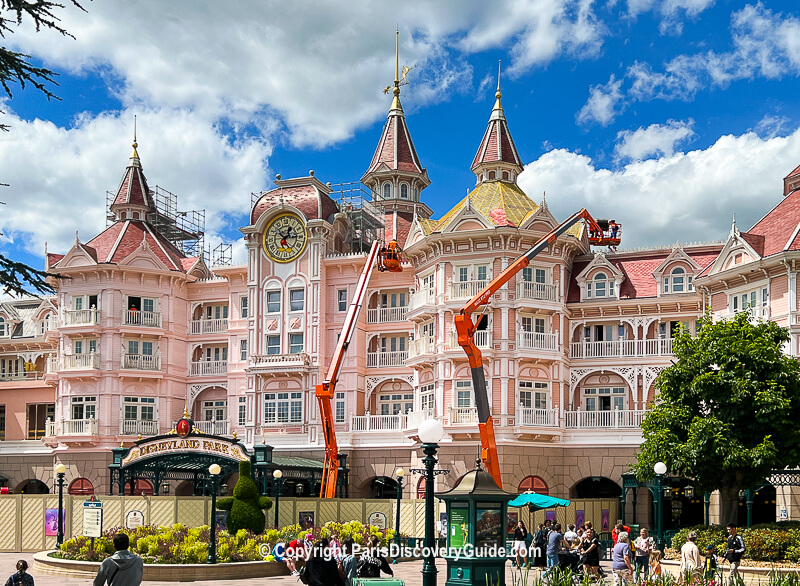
[245, 506]
[768, 542]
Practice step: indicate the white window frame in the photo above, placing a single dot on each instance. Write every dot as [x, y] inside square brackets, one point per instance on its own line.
[341, 299]
[242, 411]
[339, 405]
[283, 407]
[296, 347]
[427, 397]
[270, 308]
[534, 394]
[218, 408]
[294, 304]
[243, 306]
[87, 404]
[269, 346]
[243, 350]
[143, 408]
[389, 402]
[618, 398]
[461, 388]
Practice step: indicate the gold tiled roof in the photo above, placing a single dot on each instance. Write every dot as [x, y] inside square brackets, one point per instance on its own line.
[427, 225]
[504, 204]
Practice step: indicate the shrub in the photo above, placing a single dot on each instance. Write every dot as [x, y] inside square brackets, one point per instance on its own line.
[245, 505]
[768, 542]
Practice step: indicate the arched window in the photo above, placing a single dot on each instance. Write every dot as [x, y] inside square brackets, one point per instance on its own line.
[600, 286]
[142, 488]
[505, 175]
[421, 488]
[595, 487]
[404, 190]
[124, 215]
[2, 327]
[81, 487]
[387, 190]
[533, 483]
[491, 175]
[678, 281]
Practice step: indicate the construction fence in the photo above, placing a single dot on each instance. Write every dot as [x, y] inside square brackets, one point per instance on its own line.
[29, 521]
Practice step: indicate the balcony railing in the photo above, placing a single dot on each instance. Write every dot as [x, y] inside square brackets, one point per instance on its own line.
[206, 367]
[482, 339]
[421, 298]
[300, 359]
[141, 361]
[618, 418]
[466, 289]
[71, 427]
[537, 291]
[616, 348]
[81, 361]
[137, 427]
[52, 364]
[74, 317]
[415, 418]
[463, 415]
[209, 326]
[370, 422]
[538, 341]
[148, 319]
[219, 427]
[382, 359]
[421, 346]
[20, 375]
[538, 417]
[384, 315]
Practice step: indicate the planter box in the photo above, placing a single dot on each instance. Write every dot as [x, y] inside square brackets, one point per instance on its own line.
[44, 564]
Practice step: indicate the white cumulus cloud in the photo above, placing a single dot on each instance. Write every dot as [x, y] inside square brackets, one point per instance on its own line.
[602, 105]
[656, 139]
[683, 197]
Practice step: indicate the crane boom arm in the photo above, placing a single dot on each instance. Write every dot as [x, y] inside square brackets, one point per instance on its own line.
[466, 327]
[326, 390]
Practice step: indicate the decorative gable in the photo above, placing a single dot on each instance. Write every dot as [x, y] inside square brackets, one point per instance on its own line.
[600, 279]
[143, 258]
[738, 250]
[80, 255]
[540, 219]
[676, 273]
[466, 218]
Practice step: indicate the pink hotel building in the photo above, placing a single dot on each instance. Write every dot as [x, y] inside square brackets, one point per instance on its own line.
[572, 346]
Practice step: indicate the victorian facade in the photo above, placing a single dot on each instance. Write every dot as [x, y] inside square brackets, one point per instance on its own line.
[140, 331]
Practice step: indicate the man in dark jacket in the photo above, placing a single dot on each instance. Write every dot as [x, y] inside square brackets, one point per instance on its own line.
[121, 569]
[735, 550]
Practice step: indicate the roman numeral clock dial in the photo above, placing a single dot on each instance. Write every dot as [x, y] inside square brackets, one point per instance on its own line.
[285, 238]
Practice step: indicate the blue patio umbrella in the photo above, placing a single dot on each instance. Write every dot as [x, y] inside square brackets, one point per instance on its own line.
[537, 501]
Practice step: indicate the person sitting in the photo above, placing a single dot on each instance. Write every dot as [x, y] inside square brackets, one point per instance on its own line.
[373, 562]
[321, 569]
[123, 568]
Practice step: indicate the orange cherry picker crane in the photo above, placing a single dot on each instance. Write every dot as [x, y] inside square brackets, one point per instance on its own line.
[385, 259]
[466, 327]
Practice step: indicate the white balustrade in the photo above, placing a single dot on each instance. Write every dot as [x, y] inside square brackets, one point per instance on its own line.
[209, 326]
[384, 315]
[382, 359]
[207, 367]
[77, 427]
[149, 319]
[415, 418]
[421, 298]
[81, 361]
[617, 418]
[538, 341]
[482, 339]
[138, 427]
[622, 348]
[218, 427]
[50, 428]
[52, 364]
[300, 359]
[422, 346]
[466, 289]
[538, 417]
[74, 317]
[141, 361]
[370, 422]
[463, 415]
[537, 291]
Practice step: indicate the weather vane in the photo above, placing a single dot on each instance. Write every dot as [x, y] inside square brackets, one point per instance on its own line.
[400, 79]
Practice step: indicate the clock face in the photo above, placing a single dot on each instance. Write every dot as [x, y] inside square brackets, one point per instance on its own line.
[285, 238]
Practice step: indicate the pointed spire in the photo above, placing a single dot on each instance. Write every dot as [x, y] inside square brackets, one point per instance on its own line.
[497, 157]
[396, 91]
[133, 199]
[134, 154]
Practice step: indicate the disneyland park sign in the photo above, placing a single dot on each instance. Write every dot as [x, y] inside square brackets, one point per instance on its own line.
[186, 445]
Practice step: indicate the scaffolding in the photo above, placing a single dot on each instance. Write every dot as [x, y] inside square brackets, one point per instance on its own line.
[365, 224]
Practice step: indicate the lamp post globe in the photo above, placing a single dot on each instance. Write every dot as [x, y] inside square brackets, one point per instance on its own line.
[276, 476]
[61, 470]
[660, 468]
[214, 470]
[431, 431]
[658, 499]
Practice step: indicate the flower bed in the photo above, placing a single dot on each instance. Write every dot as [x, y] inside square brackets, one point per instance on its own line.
[771, 542]
[181, 545]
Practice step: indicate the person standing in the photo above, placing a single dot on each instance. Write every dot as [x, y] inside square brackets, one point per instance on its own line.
[643, 545]
[621, 560]
[521, 544]
[735, 551]
[321, 568]
[21, 577]
[690, 559]
[349, 561]
[591, 553]
[555, 542]
[710, 566]
[540, 543]
[570, 534]
[123, 568]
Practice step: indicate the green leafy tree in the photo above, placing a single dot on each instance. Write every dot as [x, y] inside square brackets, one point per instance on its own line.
[245, 506]
[728, 411]
[17, 69]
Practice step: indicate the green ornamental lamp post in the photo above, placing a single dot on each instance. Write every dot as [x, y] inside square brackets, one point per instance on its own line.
[214, 470]
[660, 469]
[276, 483]
[61, 470]
[430, 434]
[399, 473]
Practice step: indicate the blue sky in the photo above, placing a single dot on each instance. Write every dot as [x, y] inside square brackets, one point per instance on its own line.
[669, 115]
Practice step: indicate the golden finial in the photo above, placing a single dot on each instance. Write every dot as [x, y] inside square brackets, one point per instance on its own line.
[122, 443]
[139, 438]
[134, 154]
[397, 62]
[234, 434]
[186, 411]
[498, 95]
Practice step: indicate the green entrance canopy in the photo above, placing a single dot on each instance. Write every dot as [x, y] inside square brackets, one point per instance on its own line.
[538, 501]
